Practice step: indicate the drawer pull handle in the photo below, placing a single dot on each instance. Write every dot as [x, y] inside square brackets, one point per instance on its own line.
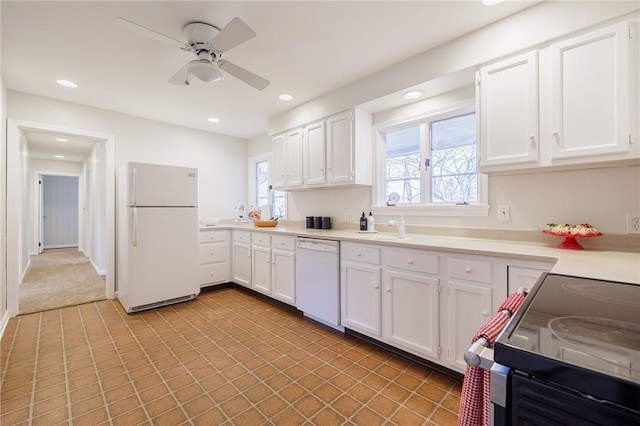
[467, 270]
[410, 262]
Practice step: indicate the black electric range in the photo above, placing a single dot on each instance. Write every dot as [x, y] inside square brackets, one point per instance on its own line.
[573, 353]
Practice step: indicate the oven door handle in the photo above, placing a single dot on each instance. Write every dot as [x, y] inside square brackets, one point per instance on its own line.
[499, 384]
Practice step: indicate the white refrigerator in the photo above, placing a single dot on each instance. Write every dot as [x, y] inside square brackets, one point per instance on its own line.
[157, 235]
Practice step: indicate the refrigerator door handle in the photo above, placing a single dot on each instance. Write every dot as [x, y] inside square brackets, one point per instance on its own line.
[135, 227]
[135, 186]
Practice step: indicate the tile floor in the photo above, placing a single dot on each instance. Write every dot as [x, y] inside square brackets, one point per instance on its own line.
[225, 358]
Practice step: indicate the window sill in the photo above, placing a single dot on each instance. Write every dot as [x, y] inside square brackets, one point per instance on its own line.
[425, 210]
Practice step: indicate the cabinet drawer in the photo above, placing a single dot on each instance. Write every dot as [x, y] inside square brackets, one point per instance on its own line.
[412, 260]
[283, 243]
[361, 253]
[242, 237]
[471, 270]
[213, 236]
[262, 240]
[210, 253]
[214, 273]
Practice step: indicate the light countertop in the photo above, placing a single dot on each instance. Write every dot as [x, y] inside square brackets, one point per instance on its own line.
[599, 264]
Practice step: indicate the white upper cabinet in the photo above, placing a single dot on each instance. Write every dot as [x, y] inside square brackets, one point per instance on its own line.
[573, 103]
[287, 159]
[590, 93]
[314, 154]
[349, 148]
[279, 146]
[508, 99]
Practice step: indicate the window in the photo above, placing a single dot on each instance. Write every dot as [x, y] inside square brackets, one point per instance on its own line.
[260, 187]
[431, 162]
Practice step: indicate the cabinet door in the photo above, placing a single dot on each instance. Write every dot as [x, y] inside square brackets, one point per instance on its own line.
[261, 269]
[242, 264]
[522, 277]
[294, 158]
[340, 161]
[469, 308]
[283, 276]
[508, 94]
[314, 154]
[590, 94]
[411, 314]
[279, 145]
[360, 297]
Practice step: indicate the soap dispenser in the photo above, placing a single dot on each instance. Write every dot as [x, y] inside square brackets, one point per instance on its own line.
[402, 233]
[363, 222]
[371, 224]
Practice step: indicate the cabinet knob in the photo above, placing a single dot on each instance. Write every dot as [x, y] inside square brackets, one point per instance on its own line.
[211, 254]
[376, 287]
[359, 254]
[556, 135]
[410, 262]
[467, 269]
[485, 313]
[532, 138]
[388, 290]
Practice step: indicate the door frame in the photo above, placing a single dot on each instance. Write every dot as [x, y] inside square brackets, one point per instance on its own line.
[38, 210]
[14, 199]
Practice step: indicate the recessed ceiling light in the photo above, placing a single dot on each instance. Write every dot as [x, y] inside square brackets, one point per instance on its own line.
[414, 94]
[285, 97]
[59, 156]
[491, 2]
[213, 120]
[66, 83]
[62, 140]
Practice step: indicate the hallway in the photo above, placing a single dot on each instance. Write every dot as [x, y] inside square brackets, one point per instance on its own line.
[59, 278]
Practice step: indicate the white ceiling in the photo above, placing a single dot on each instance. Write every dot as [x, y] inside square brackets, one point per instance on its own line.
[305, 48]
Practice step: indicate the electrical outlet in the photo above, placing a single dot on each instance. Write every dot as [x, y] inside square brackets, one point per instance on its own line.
[503, 212]
[633, 224]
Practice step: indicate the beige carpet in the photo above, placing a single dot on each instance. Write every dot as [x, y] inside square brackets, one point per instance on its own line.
[58, 278]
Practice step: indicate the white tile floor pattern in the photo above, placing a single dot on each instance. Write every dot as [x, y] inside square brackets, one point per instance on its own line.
[225, 358]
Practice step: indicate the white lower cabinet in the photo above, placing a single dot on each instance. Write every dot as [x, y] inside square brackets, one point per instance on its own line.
[360, 288]
[261, 269]
[283, 269]
[410, 303]
[241, 254]
[215, 263]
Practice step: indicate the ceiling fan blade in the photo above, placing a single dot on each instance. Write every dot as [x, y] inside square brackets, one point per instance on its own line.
[146, 32]
[234, 33]
[181, 78]
[241, 74]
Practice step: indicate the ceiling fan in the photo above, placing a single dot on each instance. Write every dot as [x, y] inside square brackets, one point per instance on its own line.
[208, 43]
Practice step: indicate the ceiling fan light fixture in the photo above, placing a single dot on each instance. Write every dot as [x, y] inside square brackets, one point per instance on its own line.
[204, 70]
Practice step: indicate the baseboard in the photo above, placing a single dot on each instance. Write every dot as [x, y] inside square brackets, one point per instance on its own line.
[3, 324]
[24, 273]
[98, 270]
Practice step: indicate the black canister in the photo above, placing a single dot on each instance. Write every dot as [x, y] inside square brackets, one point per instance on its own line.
[309, 221]
[317, 222]
[326, 222]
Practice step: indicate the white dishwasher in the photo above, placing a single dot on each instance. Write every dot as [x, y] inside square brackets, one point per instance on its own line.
[318, 280]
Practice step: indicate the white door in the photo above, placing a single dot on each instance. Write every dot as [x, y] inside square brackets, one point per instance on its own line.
[469, 309]
[411, 312]
[314, 154]
[162, 261]
[261, 269]
[361, 297]
[508, 93]
[155, 185]
[590, 89]
[59, 211]
[340, 148]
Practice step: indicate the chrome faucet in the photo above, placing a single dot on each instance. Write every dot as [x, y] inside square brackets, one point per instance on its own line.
[401, 228]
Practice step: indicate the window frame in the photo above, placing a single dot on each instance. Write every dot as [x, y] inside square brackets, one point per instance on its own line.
[253, 190]
[424, 120]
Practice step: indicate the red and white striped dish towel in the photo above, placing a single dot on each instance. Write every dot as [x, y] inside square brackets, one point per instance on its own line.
[474, 401]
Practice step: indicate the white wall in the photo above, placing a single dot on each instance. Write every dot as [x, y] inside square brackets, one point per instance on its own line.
[3, 199]
[95, 207]
[221, 159]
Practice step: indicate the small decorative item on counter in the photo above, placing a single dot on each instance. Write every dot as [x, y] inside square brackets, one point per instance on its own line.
[571, 232]
[326, 222]
[309, 222]
[317, 222]
[255, 214]
[266, 223]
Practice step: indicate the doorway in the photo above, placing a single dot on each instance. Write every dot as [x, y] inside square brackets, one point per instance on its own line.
[20, 226]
